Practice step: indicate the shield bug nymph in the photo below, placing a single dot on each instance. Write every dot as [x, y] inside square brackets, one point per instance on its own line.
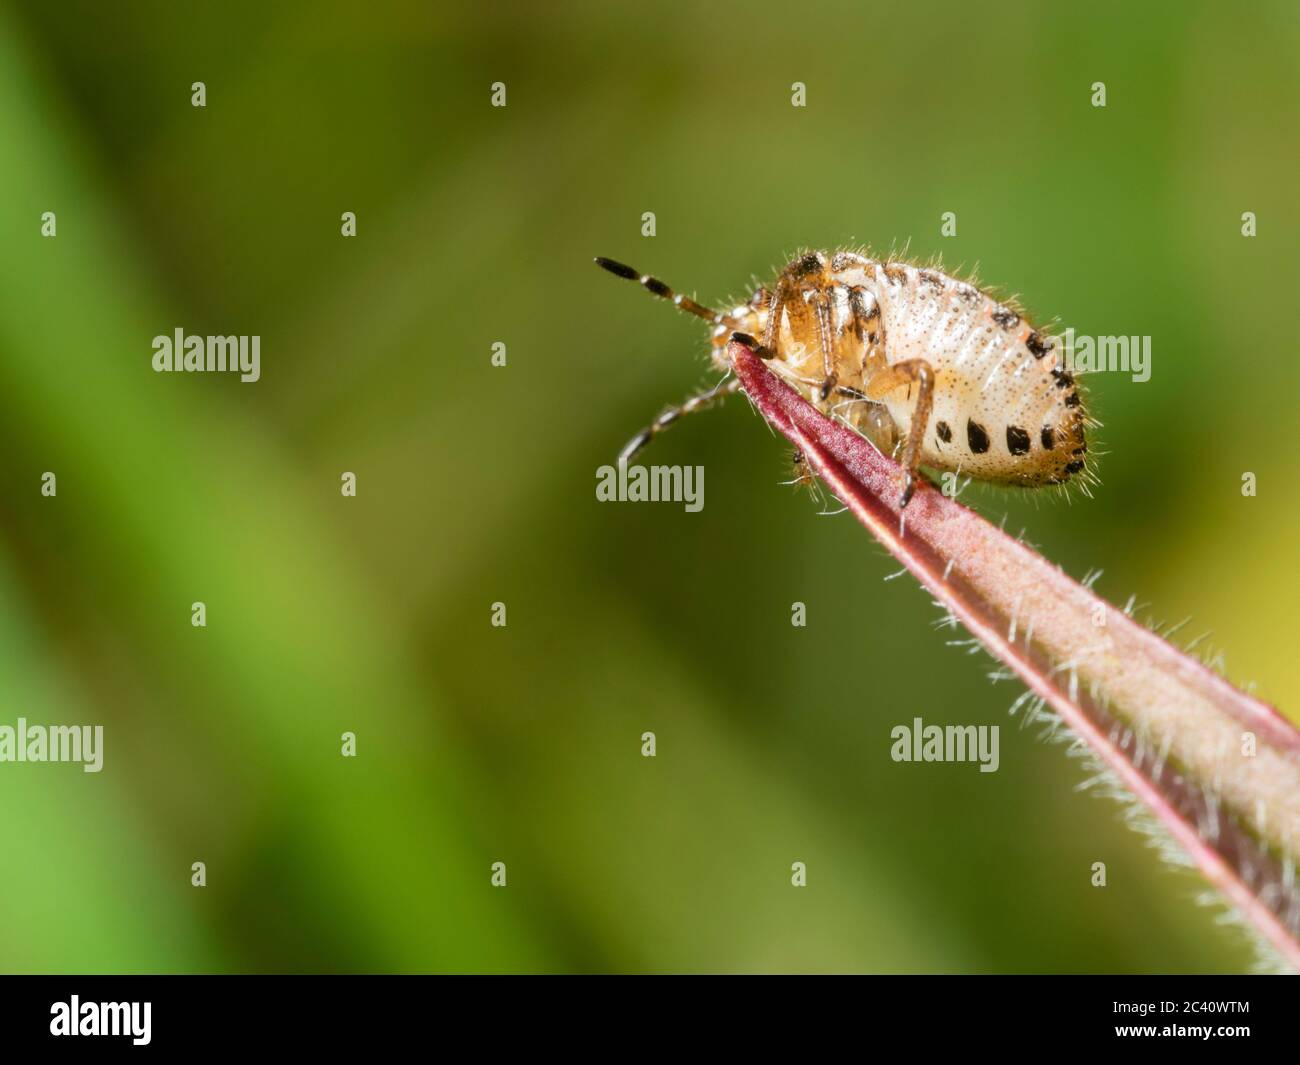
[917, 361]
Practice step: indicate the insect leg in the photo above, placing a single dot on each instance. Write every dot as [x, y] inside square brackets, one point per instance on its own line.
[775, 309]
[867, 343]
[723, 388]
[822, 308]
[804, 477]
[762, 351]
[884, 382]
[868, 417]
[800, 294]
[798, 276]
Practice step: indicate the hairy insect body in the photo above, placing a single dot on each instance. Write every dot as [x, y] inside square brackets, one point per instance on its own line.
[1000, 407]
[928, 367]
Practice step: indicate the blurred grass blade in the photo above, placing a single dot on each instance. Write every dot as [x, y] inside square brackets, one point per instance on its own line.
[1218, 769]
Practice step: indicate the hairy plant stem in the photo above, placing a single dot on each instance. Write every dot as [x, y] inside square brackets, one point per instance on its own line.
[1218, 769]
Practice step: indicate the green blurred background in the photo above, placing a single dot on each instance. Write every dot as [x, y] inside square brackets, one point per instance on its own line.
[476, 484]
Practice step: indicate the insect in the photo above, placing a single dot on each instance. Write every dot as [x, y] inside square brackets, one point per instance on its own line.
[917, 361]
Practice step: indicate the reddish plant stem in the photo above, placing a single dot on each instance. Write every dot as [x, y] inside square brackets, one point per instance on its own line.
[1217, 768]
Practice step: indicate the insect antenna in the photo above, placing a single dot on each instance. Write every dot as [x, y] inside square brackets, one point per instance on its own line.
[654, 285]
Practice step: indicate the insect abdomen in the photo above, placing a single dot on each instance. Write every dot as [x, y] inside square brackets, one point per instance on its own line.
[1003, 408]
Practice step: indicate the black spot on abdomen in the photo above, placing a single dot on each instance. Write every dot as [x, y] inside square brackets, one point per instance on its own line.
[1049, 440]
[1017, 440]
[976, 437]
[945, 434]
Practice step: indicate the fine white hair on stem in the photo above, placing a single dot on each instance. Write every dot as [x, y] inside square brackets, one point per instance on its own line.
[1212, 772]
